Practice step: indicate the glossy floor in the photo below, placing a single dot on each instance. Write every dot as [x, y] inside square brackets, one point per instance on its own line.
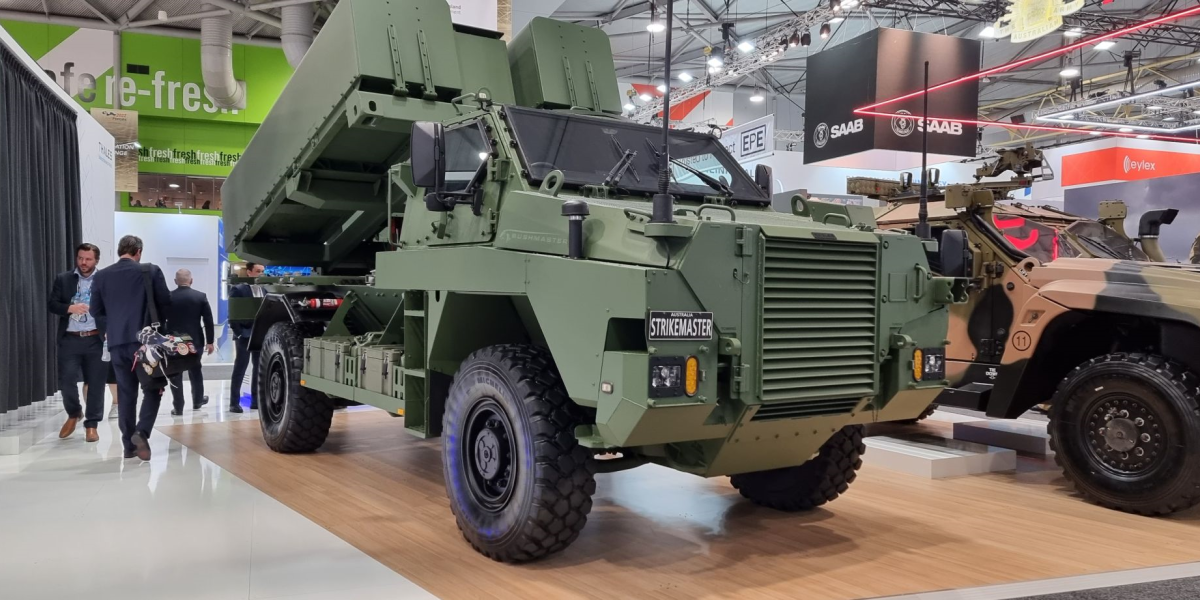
[78, 521]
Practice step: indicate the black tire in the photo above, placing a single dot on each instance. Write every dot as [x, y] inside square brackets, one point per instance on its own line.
[924, 415]
[1125, 428]
[507, 407]
[293, 418]
[811, 484]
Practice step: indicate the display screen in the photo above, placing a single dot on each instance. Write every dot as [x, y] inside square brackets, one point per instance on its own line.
[589, 149]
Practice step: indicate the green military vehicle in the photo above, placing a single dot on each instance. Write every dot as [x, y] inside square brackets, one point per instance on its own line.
[491, 267]
[1071, 312]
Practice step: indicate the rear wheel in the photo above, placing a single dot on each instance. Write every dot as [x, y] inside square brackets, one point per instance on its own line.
[293, 418]
[519, 483]
[811, 484]
[1126, 431]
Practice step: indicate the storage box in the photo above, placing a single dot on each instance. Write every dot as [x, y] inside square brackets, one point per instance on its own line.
[380, 362]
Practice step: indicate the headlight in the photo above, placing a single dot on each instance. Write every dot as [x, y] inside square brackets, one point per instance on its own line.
[672, 376]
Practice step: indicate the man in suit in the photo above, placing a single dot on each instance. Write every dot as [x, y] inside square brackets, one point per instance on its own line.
[241, 337]
[119, 295]
[190, 314]
[80, 343]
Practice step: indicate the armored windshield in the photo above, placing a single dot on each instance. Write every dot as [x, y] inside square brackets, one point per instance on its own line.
[1032, 238]
[589, 151]
[1104, 242]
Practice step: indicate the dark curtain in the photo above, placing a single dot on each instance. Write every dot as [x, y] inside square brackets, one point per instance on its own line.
[40, 225]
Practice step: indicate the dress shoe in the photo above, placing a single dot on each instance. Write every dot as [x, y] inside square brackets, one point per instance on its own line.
[141, 447]
[112, 413]
[236, 408]
[176, 412]
[201, 405]
[130, 453]
[68, 428]
[91, 435]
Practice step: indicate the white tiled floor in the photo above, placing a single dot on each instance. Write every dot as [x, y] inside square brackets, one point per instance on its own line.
[78, 521]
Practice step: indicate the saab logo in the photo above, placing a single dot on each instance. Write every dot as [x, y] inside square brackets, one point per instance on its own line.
[1137, 165]
[854, 126]
[903, 127]
[821, 135]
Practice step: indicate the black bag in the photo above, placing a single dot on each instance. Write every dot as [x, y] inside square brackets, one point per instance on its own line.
[161, 354]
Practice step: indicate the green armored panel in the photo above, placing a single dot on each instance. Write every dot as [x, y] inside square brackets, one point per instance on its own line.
[562, 65]
[310, 189]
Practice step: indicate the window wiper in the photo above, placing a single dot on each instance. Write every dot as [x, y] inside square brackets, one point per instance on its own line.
[618, 170]
[709, 180]
[1105, 248]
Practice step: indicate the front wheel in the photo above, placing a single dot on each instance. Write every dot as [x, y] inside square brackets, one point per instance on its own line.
[1126, 431]
[293, 418]
[519, 483]
[807, 486]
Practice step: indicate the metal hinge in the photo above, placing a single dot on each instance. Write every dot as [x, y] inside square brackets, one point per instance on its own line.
[737, 383]
[745, 243]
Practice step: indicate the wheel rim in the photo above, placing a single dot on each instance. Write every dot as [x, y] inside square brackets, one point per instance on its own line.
[277, 390]
[488, 449]
[1124, 436]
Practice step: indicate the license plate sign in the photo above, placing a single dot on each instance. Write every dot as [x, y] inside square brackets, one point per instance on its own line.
[667, 325]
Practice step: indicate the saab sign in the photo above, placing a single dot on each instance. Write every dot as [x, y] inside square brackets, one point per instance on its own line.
[751, 141]
[882, 64]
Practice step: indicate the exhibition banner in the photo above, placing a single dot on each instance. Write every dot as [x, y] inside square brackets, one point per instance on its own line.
[123, 125]
[751, 141]
[475, 13]
[1125, 164]
[885, 63]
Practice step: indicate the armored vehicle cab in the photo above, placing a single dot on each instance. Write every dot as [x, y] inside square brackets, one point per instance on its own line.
[514, 293]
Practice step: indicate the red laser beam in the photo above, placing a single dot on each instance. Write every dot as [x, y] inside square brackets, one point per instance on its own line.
[1037, 58]
[986, 123]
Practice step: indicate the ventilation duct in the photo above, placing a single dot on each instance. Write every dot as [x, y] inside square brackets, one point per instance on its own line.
[297, 31]
[216, 60]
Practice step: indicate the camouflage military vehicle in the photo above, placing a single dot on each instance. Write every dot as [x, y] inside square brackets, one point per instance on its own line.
[491, 268]
[1112, 345]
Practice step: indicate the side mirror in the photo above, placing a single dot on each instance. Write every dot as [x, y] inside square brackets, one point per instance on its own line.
[763, 177]
[956, 256]
[428, 144]
[905, 180]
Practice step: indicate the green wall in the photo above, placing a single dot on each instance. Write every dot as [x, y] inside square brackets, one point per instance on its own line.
[180, 130]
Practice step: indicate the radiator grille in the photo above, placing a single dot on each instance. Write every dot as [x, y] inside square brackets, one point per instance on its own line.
[804, 408]
[819, 320]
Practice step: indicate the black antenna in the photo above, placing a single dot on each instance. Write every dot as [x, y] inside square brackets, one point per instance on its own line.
[923, 212]
[663, 206]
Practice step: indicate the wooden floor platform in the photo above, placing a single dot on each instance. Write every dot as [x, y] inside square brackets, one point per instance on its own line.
[656, 533]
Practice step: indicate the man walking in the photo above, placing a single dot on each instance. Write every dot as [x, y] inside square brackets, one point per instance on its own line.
[80, 343]
[119, 295]
[190, 314]
[241, 337]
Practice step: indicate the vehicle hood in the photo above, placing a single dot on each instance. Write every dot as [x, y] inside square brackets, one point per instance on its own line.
[1160, 290]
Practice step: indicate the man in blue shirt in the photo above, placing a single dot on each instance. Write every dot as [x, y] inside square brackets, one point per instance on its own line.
[80, 343]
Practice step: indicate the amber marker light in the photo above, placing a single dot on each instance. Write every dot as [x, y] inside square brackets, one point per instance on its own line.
[918, 364]
[691, 378]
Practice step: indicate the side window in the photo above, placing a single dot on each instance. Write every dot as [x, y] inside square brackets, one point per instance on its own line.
[466, 150]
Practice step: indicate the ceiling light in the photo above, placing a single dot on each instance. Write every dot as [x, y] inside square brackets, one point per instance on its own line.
[988, 32]
[825, 31]
[1069, 72]
[794, 40]
[1143, 136]
[1169, 119]
[629, 106]
[757, 97]
[850, 4]
[1196, 112]
[745, 46]
[162, 15]
[715, 61]
[173, 186]
[836, 5]
[716, 69]
[1073, 32]
[1105, 45]
[662, 88]
[483, 155]
[685, 77]
[1094, 133]
[836, 20]
[1125, 129]
[1154, 107]
[646, 97]
[655, 25]
[805, 39]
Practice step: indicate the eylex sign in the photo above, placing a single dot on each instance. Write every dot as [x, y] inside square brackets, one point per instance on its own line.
[1135, 165]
